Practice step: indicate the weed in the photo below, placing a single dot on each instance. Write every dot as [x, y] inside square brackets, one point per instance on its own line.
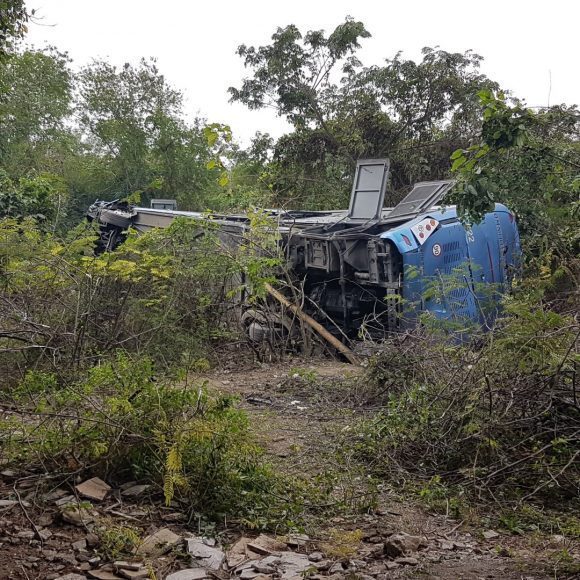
[342, 544]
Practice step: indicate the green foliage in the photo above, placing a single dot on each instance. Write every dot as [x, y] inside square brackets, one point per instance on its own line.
[499, 420]
[13, 19]
[117, 540]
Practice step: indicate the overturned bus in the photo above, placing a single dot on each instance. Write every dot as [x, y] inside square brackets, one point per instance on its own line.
[369, 270]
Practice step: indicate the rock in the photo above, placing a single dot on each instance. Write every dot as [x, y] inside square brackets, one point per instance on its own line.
[264, 568]
[85, 567]
[206, 556]
[77, 516]
[94, 488]
[189, 574]
[400, 544]
[297, 540]
[237, 553]
[445, 545]
[490, 534]
[316, 557]
[56, 494]
[391, 565]
[249, 574]
[44, 535]
[66, 500]
[266, 545]
[103, 575]
[135, 574]
[127, 565]
[323, 565]
[93, 540]
[158, 543]
[135, 490]
[79, 545]
[73, 577]
[94, 562]
[407, 561]
[293, 565]
[173, 517]
[26, 535]
[336, 568]
[44, 520]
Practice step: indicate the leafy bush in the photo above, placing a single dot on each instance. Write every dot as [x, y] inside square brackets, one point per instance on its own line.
[502, 420]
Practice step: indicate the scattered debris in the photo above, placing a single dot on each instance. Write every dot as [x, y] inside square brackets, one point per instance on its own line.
[95, 489]
[158, 543]
[135, 490]
[189, 574]
[207, 556]
[76, 516]
[402, 543]
[490, 534]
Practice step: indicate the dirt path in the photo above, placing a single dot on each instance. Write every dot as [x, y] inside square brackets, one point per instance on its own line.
[298, 411]
[297, 421]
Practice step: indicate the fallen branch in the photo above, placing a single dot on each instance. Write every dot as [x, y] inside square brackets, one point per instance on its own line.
[332, 340]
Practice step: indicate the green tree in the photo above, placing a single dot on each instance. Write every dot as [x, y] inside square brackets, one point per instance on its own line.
[34, 109]
[416, 113]
[13, 19]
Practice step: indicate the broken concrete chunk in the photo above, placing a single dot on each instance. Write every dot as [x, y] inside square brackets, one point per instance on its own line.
[135, 490]
[189, 574]
[206, 556]
[158, 543]
[94, 488]
[490, 534]
[400, 544]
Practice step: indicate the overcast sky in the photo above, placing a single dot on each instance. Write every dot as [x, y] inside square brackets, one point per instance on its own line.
[525, 43]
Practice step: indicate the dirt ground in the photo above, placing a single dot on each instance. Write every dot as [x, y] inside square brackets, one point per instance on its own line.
[297, 422]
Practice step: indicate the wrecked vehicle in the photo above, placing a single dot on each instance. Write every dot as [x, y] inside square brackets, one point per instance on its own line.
[368, 271]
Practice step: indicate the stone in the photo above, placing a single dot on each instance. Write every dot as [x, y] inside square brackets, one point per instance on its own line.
[297, 540]
[94, 488]
[292, 565]
[445, 545]
[79, 545]
[336, 568]
[316, 557]
[44, 534]
[66, 500]
[249, 574]
[135, 574]
[158, 543]
[391, 565]
[72, 577]
[323, 565]
[135, 490]
[127, 565]
[93, 540]
[94, 562]
[189, 574]
[262, 568]
[205, 556]
[26, 535]
[237, 553]
[266, 545]
[76, 516]
[490, 534]
[400, 544]
[103, 575]
[5, 503]
[407, 561]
